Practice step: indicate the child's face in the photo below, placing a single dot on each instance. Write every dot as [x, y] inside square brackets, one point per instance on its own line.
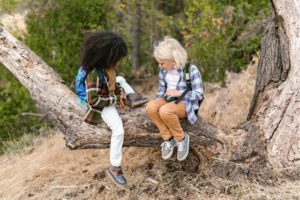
[166, 64]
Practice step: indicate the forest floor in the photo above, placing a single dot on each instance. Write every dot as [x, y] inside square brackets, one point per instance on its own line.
[49, 170]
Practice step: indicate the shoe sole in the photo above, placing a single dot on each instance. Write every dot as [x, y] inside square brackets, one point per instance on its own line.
[169, 156]
[188, 149]
[114, 181]
[131, 105]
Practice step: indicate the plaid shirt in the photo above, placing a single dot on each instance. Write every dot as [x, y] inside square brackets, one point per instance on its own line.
[192, 97]
[98, 96]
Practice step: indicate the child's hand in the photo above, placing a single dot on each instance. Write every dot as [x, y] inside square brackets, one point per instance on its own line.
[172, 93]
[123, 95]
[122, 104]
[123, 98]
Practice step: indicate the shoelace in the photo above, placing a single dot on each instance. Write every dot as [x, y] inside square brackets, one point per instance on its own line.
[166, 145]
[180, 146]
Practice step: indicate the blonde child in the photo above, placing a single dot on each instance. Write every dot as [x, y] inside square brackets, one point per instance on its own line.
[163, 111]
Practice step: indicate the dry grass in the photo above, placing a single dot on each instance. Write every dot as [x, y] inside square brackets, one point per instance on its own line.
[14, 23]
[227, 106]
[51, 171]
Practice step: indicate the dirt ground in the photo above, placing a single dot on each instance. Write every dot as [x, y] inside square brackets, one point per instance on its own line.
[48, 170]
[51, 171]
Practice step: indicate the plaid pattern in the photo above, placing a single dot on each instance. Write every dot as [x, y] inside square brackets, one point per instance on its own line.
[191, 98]
[98, 97]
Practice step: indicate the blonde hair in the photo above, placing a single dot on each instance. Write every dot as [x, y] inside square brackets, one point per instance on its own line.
[170, 49]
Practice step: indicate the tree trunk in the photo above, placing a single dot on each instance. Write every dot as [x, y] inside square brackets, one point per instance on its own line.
[136, 37]
[275, 107]
[270, 137]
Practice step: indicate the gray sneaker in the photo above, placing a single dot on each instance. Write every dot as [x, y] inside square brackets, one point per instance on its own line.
[183, 148]
[167, 149]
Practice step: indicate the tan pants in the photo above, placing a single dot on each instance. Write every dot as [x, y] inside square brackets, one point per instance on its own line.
[165, 115]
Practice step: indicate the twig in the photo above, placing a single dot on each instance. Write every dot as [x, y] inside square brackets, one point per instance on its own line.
[151, 180]
[64, 186]
[32, 114]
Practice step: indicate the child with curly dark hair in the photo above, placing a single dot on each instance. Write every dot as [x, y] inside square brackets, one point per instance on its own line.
[101, 53]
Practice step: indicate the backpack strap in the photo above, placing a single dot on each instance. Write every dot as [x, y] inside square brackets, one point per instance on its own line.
[187, 78]
[101, 75]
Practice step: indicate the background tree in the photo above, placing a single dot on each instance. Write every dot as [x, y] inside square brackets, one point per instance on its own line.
[136, 31]
[56, 32]
[223, 35]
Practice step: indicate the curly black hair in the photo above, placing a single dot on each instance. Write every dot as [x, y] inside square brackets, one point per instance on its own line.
[102, 49]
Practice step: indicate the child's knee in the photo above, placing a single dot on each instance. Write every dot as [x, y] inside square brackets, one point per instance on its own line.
[120, 79]
[116, 126]
[164, 112]
[150, 107]
[118, 131]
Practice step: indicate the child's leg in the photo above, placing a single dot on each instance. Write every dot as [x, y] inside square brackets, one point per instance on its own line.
[152, 109]
[111, 117]
[133, 99]
[170, 114]
[127, 88]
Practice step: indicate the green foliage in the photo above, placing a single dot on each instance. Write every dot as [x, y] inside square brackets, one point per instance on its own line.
[15, 100]
[56, 32]
[223, 35]
[8, 5]
[18, 144]
[218, 34]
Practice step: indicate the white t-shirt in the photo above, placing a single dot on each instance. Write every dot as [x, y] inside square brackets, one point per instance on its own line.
[172, 79]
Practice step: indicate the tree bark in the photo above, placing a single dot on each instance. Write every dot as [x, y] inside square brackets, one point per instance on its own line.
[275, 107]
[270, 137]
[136, 49]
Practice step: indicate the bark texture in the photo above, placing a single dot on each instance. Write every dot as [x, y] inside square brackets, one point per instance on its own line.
[275, 106]
[136, 37]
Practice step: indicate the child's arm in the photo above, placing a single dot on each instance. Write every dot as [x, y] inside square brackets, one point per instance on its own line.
[197, 86]
[101, 101]
[162, 85]
[93, 88]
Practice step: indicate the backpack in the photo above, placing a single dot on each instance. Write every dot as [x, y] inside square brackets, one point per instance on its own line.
[80, 84]
[187, 75]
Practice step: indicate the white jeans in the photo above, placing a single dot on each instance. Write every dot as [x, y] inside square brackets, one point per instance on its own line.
[111, 117]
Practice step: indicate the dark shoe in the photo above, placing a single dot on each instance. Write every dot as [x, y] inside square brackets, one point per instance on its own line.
[183, 148]
[117, 175]
[167, 148]
[135, 100]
